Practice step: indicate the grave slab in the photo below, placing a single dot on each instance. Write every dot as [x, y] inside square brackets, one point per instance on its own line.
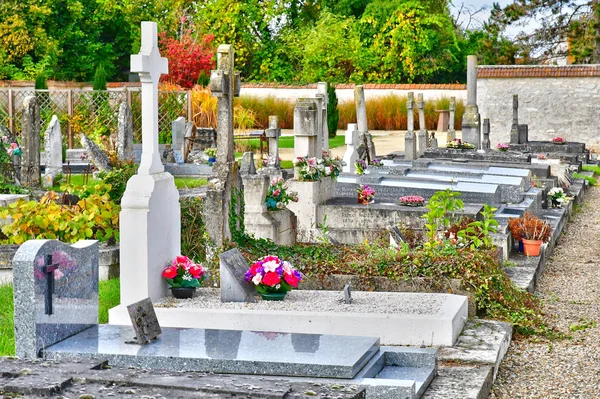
[224, 351]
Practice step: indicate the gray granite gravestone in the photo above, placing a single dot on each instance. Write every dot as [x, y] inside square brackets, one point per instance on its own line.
[55, 292]
[144, 321]
[234, 288]
[125, 133]
[30, 142]
[96, 154]
[52, 151]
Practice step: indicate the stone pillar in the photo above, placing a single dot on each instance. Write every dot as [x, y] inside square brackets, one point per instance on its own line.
[366, 148]
[486, 134]
[433, 141]
[322, 90]
[422, 134]
[452, 108]
[305, 128]
[125, 133]
[410, 141]
[514, 130]
[471, 118]
[30, 142]
[351, 155]
[273, 133]
[177, 138]
[150, 219]
[319, 142]
[52, 151]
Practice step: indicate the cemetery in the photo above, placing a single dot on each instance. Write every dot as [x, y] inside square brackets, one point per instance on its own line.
[375, 274]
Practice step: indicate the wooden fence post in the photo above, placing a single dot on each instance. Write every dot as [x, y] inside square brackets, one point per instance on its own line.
[70, 115]
[11, 123]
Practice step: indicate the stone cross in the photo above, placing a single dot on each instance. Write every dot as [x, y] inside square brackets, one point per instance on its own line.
[486, 134]
[514, 130]
[422, 134]
[30, 142]
[452, 109]
[52, 151]
[150, 66]
[177, 138]
[364, 138]
[273, 133]
[305, 128]
[319, 100]
[410, 141]
[471, 119]
[48, 270]
[125, 133]
[351, 155]
[322, 90]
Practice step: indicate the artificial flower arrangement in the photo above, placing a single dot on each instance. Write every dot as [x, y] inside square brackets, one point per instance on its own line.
[13, 148]
[183, 273]
[412, 200]
[378, 163]
[559, 140]
[279, 195]
[366, 194]
[333, 166]
[360, 167]
[459, 144]
[503, 146]
[557, 196]
[273, 277]
[309, 169]
[541, 156]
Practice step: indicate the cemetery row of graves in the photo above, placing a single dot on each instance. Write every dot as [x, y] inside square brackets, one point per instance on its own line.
[373, 270]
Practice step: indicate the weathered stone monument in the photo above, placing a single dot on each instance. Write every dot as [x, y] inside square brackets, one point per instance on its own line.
[30, 142]
[422, 134]
[518, 133]
[177, 138]
[232, 267]
[410, 141]
[52, 151]
[225, 178]
[366, 148]
[471, 119]
[125, 133]
[351, 155]
[322, 91]
[150, 215]
[273, 133]
[486, 134]
[452, 108]
[95, 153]
[305, 129]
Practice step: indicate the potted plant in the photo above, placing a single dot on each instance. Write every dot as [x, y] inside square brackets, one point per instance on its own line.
[557, 196]
[559, 140]
[503, 147]
[412, 200]
[366, 195]
[515, 231]
[273, 277]
[279, 195]
[360, 167]
[183, 276]
[211, 153]
[533, 232]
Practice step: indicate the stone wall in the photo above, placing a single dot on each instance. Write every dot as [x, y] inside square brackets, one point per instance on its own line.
[565, 99]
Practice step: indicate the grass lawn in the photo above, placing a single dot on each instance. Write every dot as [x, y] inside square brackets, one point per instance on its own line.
[109, 297]
[594, 168]
[190, 182]
[76, 181]
[288, 142]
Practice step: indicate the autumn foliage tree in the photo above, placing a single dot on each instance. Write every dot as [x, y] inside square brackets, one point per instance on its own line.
[187, 58]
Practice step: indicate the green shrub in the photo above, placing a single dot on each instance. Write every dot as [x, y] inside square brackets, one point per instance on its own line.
[333, 115]
[100, 78]
[193, 231]
[109, 296]
[7, 326]
[117, 179]
[41, 82]
[592, 181]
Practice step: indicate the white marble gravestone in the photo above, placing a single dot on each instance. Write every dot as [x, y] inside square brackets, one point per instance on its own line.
[52, 151]
[150, 215]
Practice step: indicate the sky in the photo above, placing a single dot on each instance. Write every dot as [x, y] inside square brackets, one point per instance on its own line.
[484, 14]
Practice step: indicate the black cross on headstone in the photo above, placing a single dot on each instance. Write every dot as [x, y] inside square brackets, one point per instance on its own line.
[48, 270]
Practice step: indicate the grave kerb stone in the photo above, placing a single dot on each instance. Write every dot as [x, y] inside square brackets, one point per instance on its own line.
[234, 288]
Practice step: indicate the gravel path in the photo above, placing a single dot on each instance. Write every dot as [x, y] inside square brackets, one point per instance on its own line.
[570, 290]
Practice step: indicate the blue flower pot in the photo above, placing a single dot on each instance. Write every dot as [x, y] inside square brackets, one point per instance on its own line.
[521, 248]
[212, 160]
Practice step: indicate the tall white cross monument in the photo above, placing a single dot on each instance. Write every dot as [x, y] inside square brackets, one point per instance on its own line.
[150, 221]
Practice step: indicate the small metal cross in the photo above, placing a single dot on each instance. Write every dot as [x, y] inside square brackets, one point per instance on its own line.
[48, 270]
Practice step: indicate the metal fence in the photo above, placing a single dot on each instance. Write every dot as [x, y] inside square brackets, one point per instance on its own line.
[93, 112]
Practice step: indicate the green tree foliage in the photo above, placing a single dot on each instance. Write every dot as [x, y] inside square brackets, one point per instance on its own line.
[100, 78]
[333, 115]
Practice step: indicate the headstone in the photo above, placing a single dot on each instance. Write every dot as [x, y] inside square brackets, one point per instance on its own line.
[52, 151]
[190, 134]
[248, 167]
[234, 287]
[322, 90]
[225, 179]
[433, 141]
[55, 292]
[144, 321]
[125, 133]
[150, 220]
[486, 134]
[30, 142]
[351, 155]
[410, 141]
[319, 143]
[347, 294]
[518, 133]
[471, 119]
[366, 148]
[422, 134]
[305, 128]
[452, 109]
[178, 127]
[273, 133]
[95, 153]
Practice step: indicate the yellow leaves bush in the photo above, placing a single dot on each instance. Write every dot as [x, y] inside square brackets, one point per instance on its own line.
[94, 217]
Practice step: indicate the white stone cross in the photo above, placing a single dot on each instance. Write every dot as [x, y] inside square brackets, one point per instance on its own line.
[150, 66]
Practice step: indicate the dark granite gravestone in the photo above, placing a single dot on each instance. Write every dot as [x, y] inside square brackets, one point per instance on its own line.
[55, 292]
[144, 321]
[234, 288]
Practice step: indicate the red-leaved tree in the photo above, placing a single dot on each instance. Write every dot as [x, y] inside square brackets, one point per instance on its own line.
[187, 58]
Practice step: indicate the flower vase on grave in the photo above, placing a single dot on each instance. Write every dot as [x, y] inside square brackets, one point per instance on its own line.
[183, 292]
